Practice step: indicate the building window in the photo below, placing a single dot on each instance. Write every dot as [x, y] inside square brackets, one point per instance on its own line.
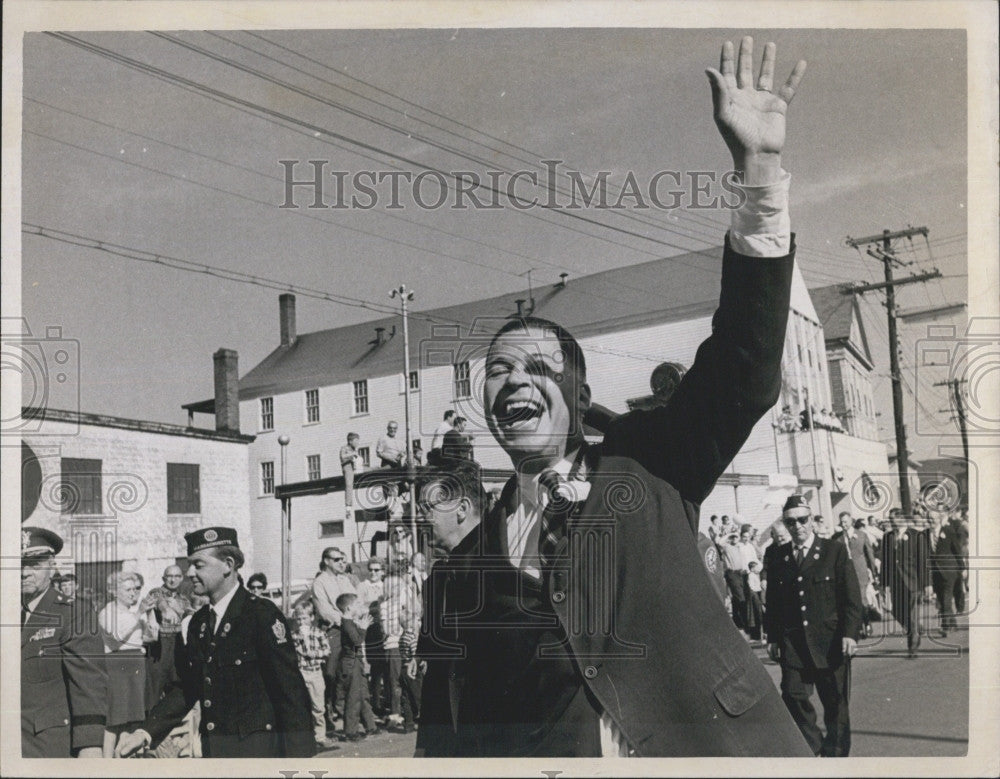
[183, 489]
[312, 467]
[414, 382]
[330, 529]
[267, 413]
[463, 380]
[361, 397]
[312, 405]
[80, 488]
[366, 455]
[267, 478]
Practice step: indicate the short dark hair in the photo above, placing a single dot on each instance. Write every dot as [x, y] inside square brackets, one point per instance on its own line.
[566, 340]
[257, 577]
[451, 483]
[449, 414]
[228, 550]
[352, 435]
[345, 599]
[843, 514]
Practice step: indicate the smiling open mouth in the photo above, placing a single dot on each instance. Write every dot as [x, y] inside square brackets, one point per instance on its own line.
[518, 414]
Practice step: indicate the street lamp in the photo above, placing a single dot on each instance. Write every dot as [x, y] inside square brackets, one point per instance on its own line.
[405, 296]
[286, 533]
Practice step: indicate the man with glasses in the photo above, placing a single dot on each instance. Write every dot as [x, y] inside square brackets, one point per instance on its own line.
[812, 621]
[165, 607]
[330, 583]
[391, 452]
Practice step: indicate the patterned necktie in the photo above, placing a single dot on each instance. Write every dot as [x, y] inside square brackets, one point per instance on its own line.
[212, 622]
[553, 520]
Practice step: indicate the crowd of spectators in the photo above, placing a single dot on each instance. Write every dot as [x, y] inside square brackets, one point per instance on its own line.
[745, 556]
[791, 422]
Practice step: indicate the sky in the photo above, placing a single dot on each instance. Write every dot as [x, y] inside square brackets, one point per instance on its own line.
[162, 160]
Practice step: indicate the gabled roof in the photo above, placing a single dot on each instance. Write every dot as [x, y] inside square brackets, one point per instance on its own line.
[840, 316]
[663, 290]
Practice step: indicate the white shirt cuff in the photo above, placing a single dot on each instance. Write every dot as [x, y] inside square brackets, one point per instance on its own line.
[761, 227]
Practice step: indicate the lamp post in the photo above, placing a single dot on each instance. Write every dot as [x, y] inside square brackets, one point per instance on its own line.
[286, 534]
[406, 296]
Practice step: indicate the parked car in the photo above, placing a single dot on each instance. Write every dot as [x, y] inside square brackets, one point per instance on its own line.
[297, 587]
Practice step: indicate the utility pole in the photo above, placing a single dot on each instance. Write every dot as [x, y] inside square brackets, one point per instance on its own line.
[405, 296]
[956, 396]
[885, 256]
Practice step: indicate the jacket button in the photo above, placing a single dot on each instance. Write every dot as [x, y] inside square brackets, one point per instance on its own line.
[799, 579]
[267, 726]
[590, 672]
[208, 680]
[805, 622]
[65, 722]
[803, 607]
[207, 704]
[558, 596]
[239, 662]
[210, 726]
[802, 592]
[208, 659]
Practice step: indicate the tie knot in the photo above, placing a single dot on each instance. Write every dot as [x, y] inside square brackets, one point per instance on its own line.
[550, 483]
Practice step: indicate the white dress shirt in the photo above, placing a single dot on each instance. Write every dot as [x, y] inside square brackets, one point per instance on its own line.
[220, 607]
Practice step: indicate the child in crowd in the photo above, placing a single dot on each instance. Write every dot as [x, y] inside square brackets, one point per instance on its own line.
[313, 649]
[357, 700]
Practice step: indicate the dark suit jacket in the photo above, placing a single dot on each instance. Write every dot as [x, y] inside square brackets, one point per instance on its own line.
[811, 608]
[247, 679]
[862, 555]
[951, 555]
[63, 677]
[666, 662]
[907, 565]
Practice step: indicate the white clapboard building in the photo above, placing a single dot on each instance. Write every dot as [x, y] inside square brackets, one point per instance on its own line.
[317, 387]
[123, 492]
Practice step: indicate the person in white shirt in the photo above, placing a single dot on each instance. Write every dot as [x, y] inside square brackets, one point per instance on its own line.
[535, 396]
[434, 453]
[122, 627]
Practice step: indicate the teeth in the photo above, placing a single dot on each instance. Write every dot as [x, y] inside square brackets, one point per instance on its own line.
[520, 405]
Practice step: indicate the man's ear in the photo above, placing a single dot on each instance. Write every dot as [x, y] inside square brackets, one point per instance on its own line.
[583, 398]
[462, 511]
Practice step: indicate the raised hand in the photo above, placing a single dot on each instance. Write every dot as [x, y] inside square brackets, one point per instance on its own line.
[751, 118]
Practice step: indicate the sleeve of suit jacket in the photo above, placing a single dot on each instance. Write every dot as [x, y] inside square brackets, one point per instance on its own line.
[735, 379]
[179, 696]
[86, 680]
[285, 687]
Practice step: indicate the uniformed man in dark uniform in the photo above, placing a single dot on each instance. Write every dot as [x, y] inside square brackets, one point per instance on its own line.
[238, 662]
[63, 682]
[812, 621]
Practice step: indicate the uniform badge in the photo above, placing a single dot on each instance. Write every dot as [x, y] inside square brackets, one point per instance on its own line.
[25, 539]
[43, 633]
[711, 559]
[816, 556]
[279, 631]
[226, 628]
[201, 633]
[211, 535]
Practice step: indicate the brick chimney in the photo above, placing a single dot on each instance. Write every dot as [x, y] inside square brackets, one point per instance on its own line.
[227, 390]
[286, 307]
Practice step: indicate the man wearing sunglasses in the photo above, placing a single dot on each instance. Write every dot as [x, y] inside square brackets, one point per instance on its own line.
[812, 622]
[330, 583]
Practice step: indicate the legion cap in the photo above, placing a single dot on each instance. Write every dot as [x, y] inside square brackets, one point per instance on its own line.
[210, 537]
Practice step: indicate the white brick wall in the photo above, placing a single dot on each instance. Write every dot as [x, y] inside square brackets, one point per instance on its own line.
[134, 491]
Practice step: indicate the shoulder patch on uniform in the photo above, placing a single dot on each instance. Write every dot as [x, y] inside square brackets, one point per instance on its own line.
[712, 559]
[280, 634]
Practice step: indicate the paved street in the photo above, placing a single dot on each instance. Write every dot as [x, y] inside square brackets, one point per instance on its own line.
[899, 706]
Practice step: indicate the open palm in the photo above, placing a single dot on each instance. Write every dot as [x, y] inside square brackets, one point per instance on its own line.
[751, 118]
